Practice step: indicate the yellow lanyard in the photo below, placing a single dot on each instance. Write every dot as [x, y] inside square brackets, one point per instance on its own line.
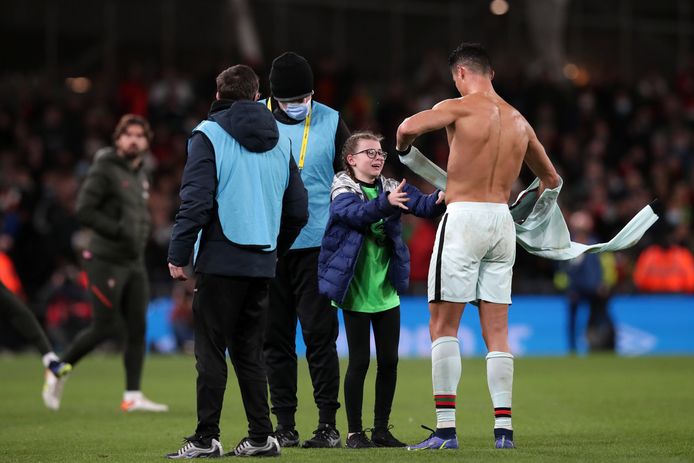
[304, 140]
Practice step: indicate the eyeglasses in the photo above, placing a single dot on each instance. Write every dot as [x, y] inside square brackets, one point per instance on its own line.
[372, 153]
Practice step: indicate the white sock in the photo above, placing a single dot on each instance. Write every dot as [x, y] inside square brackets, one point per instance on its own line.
[500, 382]
[132, 395]
[48, 358]
[445, 375]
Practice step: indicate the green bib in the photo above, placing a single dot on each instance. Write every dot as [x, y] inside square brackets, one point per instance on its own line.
[370, 290]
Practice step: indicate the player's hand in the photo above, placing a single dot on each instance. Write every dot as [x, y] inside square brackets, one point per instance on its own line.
[177, 273]
[397, 197]
[441, 198]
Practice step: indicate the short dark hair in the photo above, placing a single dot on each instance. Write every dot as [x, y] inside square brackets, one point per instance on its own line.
[132, 119]
[472, 56]
[238, 82]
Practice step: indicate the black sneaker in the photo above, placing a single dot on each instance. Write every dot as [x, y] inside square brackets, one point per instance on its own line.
[249, 448]
[382, 437]
[197, 447]
[326, 436]
[287, 437]
[358, 440]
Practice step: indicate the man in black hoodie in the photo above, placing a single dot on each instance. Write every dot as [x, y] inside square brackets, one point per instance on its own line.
[242, 205]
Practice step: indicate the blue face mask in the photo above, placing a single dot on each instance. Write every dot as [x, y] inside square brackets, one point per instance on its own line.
[298, 111]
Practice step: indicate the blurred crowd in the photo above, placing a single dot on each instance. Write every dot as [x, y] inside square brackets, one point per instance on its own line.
[618, 148]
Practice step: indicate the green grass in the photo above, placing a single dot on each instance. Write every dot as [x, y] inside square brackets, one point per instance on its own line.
[565, 409]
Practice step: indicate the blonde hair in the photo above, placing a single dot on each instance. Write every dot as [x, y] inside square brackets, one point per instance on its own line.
[351, 144]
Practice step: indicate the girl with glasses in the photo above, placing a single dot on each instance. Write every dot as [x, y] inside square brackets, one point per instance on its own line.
[363, 266]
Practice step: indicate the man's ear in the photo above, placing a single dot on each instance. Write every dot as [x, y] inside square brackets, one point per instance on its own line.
[491, 77]
[216, 96]
[461, 71]
[257, 96]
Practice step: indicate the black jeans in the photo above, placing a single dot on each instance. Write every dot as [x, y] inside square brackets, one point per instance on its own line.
[119, 295]
[386, 327]
[229, 313]
[294, 293]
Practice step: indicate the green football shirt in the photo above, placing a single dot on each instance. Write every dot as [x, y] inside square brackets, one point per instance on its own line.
[370, 290]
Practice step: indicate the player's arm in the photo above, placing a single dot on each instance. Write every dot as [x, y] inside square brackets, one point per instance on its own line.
[440, 116]
[537, 160]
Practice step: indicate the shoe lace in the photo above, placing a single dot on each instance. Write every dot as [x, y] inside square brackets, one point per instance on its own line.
[244, 444]
[387, 435]
[428, 429]
[189, 444]
[285, 433]
[323, 432]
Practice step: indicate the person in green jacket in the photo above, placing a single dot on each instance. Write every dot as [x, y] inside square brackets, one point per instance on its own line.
[113, 204]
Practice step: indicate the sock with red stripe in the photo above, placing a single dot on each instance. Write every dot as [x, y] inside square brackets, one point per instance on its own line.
[500, 382]
[445, 373]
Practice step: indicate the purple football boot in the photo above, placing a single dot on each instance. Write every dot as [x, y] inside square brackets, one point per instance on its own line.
[503, 439]
[434, 442]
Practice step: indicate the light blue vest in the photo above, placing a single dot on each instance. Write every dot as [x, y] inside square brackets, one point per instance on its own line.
[250, 188]
[317, 173]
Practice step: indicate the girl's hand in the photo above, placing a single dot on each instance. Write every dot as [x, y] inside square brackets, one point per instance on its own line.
[442, 197]
[397, 197]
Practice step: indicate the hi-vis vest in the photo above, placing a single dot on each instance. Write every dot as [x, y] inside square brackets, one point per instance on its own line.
[316, 167]
[250, 188]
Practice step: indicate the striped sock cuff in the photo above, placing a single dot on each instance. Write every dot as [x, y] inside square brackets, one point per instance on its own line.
[444, 401]
[502, 412]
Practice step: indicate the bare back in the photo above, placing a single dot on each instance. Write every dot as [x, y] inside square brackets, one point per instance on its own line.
[488, 142]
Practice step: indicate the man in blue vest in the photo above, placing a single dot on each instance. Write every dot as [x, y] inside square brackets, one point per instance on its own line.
[317, 134]
[242, 205]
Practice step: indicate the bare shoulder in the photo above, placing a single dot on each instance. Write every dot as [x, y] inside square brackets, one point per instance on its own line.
[452, 105]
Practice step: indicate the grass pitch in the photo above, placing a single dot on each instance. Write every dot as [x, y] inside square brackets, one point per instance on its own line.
[565, 409]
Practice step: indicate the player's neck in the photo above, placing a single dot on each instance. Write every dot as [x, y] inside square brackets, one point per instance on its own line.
[481, 86]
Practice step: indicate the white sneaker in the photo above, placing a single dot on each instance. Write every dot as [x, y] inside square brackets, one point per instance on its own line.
[247, 448]
[197, 449]
[53, 390]
[138, 402]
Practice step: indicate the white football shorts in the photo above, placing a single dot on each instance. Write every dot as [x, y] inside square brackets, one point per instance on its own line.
[474, 253]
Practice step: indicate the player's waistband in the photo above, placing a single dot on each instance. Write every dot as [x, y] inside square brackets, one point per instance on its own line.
[476, 206]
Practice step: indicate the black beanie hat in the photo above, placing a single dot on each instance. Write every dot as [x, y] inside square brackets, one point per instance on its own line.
[291, 77]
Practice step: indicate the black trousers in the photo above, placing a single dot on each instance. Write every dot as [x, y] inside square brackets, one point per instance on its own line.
[119, 295]
[22, 319]
[230, 313]
[294, 294]
[386, 327]
[600, 330]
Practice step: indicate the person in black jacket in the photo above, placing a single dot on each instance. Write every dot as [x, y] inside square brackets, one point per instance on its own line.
[242, 205]
[113, 203]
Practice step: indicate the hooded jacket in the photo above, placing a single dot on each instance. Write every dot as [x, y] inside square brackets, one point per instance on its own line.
[350, 216]
[254, 128]
[113, 203]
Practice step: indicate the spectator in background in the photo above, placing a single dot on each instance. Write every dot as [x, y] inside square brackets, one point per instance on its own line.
[666, 267]
[585, 282]
[113, 203]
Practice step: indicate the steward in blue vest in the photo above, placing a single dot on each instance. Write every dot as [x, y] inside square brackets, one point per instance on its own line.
[237, 240]
[317, 134]
[242, 205]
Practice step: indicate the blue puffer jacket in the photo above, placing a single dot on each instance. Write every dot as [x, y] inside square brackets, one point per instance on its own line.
[350, 216]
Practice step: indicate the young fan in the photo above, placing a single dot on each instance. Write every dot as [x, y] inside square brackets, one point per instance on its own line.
[363, 265]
